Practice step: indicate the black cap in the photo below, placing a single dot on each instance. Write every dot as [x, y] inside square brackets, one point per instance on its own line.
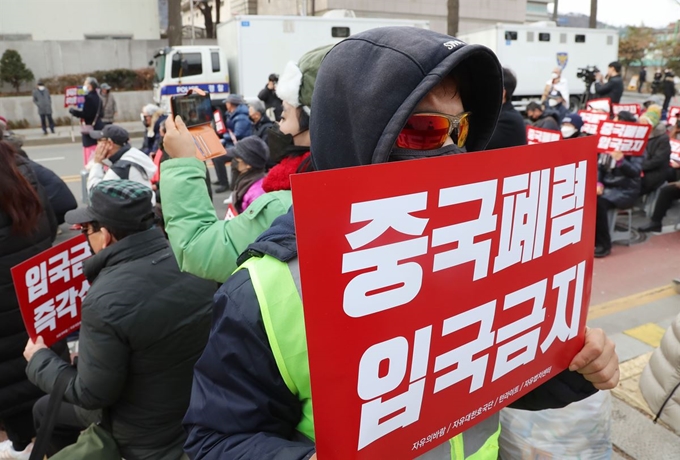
[116, 133]
[253, 151]
[273, 77]
[122, 204]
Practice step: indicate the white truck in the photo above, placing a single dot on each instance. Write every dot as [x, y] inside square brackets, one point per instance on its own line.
[248, 50]
[532, 51]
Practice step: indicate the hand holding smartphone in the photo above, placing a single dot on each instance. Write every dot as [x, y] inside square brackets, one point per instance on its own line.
[196, 111]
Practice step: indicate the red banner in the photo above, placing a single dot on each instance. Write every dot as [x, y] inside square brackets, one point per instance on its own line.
[50, 288]
[541, 136]
[220, 128]
[673, 114]
[231, 212]
[675, 150]
[629, 138]
[600, 105]
[635, 109]
[74, 96]
[591, 120]
[441, 290]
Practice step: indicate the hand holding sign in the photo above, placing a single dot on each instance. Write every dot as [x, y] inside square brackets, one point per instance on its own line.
[32, 347]
[621, 136]
[597, 361]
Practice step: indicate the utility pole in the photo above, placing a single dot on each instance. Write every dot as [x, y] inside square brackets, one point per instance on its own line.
[554, 18]
[191, 11]
[174, 23]
[453, 17]
[593, 14]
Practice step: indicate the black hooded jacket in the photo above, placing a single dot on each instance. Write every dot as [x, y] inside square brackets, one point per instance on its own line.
[240, 406]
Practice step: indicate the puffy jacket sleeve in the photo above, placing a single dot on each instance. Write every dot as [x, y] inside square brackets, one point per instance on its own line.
[242, 127]
[240, 407]
[204, 245]
[631, 166]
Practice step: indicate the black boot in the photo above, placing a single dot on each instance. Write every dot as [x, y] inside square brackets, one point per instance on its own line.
[651, 227]
[601, 251]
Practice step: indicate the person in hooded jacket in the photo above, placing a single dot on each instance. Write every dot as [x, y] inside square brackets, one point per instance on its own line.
[510, 130]
[242, 407]
[656, 159]
[203, 244]
[90, 116]
[27, 228]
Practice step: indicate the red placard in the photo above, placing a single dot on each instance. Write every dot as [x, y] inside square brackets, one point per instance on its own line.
[673, 114]
[635, 109]
[675, 150]
[541, 136]
[74, 96]
[220, 128]
[50, 288]
[622, 136]
[441, 290]
[231, 212]
[591, 120]
[599, 105]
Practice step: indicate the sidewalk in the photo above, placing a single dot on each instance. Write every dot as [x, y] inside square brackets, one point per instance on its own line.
[62, 135]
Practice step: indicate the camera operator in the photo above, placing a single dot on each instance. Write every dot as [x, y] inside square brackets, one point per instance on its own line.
[613, 89]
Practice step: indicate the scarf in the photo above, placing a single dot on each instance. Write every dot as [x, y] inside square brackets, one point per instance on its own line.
[243, 183]
[278, 177]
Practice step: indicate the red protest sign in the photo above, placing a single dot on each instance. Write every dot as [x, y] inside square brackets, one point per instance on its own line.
[220, 128]
[50, 288]
[622, 136]
[635, 109]
[231, 212]
[541, 136]
[74, 96]
[673, 114]
[675, 150]
[441, 290]
[599, 105]
[591, 120]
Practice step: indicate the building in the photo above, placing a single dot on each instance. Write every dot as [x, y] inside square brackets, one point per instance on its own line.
[79, 20]
[474, 14]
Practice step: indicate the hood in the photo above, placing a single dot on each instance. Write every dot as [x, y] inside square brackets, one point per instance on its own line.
[137, 156]
[370, 83]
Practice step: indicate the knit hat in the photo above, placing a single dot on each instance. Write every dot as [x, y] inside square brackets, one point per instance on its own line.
[652, 115]
[296, 83]
[573, 119]
[253, 151]
[625, 115]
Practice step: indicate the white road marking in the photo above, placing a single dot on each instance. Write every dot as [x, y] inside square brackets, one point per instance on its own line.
[40, 160]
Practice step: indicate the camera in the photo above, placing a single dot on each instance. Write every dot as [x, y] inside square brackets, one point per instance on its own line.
[587, 74]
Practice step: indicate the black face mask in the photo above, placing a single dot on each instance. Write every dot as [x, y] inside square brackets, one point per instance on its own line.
[282, 145]
[410, 154]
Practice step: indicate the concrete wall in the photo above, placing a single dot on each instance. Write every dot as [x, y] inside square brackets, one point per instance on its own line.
[130, 105]
[79, 19]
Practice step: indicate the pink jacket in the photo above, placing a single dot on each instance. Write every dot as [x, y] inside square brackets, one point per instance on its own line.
[253, 193]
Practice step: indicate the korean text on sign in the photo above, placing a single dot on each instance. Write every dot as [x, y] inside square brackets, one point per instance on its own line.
[673, 115]
[220, 128]
[600, 105]
[541, 136]
[635, 109]
[591, 120]
[74, 96]
[629, 138]
[50, 288]
[675, 150]
[454, 295]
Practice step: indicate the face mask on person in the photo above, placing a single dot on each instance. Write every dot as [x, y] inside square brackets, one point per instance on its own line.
[86, 89]
[41, 87]
[553, 102]
[282, 145]
[399, 154]
[568, 131]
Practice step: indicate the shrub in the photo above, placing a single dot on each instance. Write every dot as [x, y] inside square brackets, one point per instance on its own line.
[18, 124]
[118, 79]
[13, 70]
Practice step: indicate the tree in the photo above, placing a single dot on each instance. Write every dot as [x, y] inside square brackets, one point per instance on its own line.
[593, 14]
[634, 44]
[13, 70]
[174, 23]
[453, 17]
[206, 9]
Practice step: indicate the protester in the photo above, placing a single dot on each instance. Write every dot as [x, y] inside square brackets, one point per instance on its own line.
[144, 324]
[152, 118]
[261, 122]
[239, 127]
[270, 98]
[121, 159]
[110, 108]
[613, 89]
[642, 78]
[656, 84]
[510, 130]
[669, 90]
[242, 407]
[540, 118]
[653, 99]
[90, 117]
[655, 162]
[571, 126]
[250, 156]
[43, 101]
[557, 83]
[556, 104]
[204, 245]
[27, 227]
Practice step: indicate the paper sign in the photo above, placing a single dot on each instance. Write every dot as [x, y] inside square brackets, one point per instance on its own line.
[50, 288]
[675, 150]
[542, 136]
[591, 120]
[599, 105]
[231, 212]
[635, 109]
[673, 113]
[441, 290]
[74, 96]
[629, 138]
[220, 127]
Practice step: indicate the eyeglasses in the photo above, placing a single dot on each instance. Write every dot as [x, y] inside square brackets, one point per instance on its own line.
[85, 230]
[429, 131]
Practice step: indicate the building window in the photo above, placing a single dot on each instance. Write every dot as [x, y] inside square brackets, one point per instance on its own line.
[509, 35]
[530, 36]
[340, 32]
[186, 64]
[563, 38]
[610, 40]
[580, 38]
[215, 56]
[543, 37]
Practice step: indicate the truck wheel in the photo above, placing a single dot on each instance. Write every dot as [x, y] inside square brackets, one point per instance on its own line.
[574, 103]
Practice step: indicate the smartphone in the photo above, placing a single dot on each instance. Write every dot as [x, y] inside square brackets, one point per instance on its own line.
[196, 110]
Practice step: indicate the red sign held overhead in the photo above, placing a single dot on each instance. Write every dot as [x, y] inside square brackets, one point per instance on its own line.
[541, 136]
[629, 138]
[591, 120]
[50, 288]
[635, 109]
[455, 285]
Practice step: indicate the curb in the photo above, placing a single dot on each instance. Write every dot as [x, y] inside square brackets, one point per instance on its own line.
[52, 140]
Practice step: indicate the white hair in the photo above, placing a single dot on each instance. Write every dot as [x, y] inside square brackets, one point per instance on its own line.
[150, 109]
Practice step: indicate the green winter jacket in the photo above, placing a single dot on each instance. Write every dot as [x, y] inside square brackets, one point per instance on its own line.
[203, 244]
